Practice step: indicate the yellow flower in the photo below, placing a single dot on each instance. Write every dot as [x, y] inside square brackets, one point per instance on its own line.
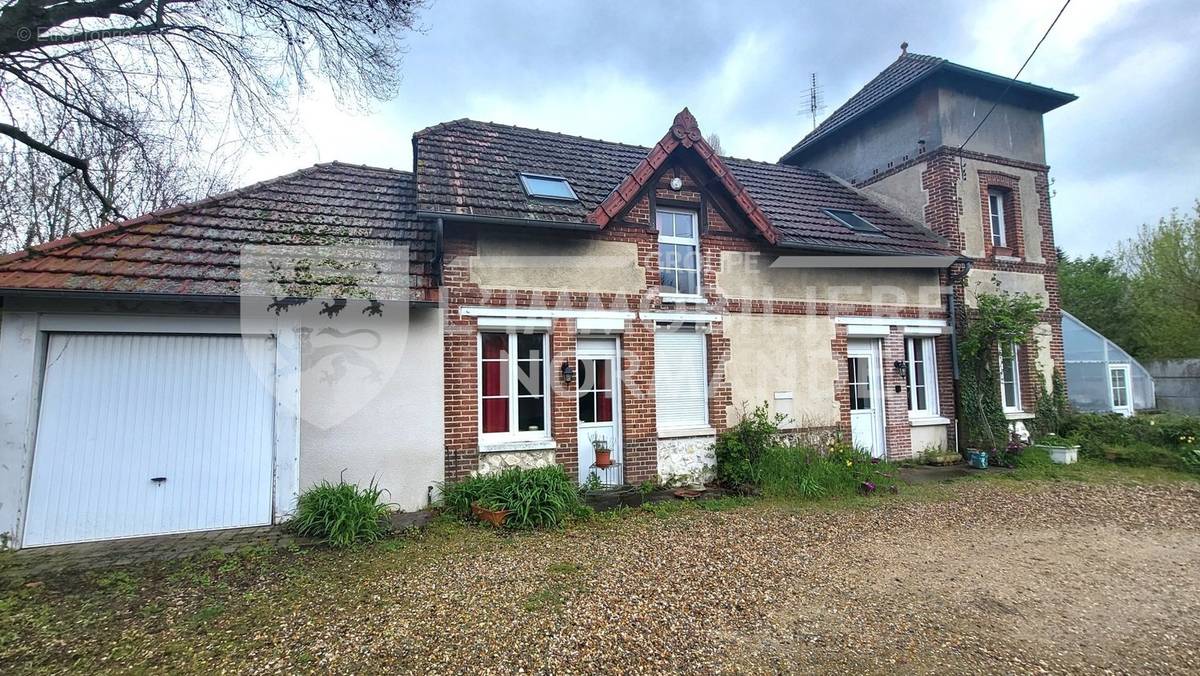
[848, 463]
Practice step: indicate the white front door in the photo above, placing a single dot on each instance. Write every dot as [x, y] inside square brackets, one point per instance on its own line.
[866, 396]
[143, 434]
[1118, 387]
[598, 389]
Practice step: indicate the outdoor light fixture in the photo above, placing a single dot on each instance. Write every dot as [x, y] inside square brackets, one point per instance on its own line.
[676, 184]
[568, 372]
[898, 365]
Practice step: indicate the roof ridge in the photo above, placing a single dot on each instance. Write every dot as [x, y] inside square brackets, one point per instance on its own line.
[339, 163]
[460, 121]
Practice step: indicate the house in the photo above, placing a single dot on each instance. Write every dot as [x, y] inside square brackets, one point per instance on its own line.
[1100, 376]
[520, 298]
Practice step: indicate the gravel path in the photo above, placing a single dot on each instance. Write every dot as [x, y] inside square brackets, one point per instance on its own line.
[998, 579]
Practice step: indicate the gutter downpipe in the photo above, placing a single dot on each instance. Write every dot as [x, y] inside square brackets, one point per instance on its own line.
[952, 279]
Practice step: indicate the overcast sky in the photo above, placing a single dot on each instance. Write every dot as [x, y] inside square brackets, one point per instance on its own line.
[1124, 154]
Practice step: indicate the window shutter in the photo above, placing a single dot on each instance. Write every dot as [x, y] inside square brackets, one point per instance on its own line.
[680, 379]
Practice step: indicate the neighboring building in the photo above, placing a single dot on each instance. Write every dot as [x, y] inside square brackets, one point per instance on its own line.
[1101, 377]
[542, 292]
[1176, 384]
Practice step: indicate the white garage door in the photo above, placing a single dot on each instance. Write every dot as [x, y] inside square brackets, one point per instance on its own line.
[151, 433]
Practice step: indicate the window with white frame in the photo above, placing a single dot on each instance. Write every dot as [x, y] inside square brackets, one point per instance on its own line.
[678, 251]
[996, 211]
[921, 358]
[680, 380]
[513, 402]
[1010, 378]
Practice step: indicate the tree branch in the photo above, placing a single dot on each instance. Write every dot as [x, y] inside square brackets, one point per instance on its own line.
[77, 163]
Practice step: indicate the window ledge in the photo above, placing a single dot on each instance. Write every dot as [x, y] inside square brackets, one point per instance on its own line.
[1019, 415]
[679, 432]
[512, 446]
[927, 420]
[683, 298]
[1006, 259]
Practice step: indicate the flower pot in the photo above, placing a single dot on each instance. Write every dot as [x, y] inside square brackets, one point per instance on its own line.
[494, 517]
[977, 459]
[604, 458]
[1063, 455]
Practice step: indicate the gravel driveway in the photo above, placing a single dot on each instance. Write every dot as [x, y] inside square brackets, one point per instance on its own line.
[996, 578]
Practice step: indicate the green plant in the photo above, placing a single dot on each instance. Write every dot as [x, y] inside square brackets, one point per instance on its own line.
[1002, 321]
[739, 449]
[1051, 409]
[342, 514]
[592, 483]
[543, 497]
[1168, 440]
[799, 472]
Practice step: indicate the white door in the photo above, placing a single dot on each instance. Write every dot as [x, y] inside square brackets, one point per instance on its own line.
[866, 396]
[1118, 387]
[599, 390]
[142, 434]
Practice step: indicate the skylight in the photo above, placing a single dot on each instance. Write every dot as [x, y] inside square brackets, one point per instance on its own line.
[552, 187]
[853, 221]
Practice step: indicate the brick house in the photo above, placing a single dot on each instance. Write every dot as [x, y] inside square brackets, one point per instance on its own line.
[520, 298]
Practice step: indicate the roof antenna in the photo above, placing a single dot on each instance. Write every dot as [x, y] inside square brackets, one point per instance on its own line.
[903, 48]
[816, 99]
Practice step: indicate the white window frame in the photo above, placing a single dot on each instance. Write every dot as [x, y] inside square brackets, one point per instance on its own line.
[928, 359]
[1009, 406]
[998, 228]
[693, 241]
[493, 438]
[700, 426]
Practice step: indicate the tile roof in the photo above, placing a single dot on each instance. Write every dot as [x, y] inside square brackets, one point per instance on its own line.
[908, 70]
[466, 167]
[195, 249]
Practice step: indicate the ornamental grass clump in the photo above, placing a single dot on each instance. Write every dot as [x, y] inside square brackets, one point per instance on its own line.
[342, 514]
[799, 472]
[543, 497]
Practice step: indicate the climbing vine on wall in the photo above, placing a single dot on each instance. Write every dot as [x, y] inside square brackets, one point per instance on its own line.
[1003, 320]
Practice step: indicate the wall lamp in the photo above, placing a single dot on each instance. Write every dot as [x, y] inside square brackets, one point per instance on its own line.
[568, 372]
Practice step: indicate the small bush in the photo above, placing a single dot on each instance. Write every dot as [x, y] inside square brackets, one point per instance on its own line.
[1169, 441]
[739, 449]
[537, 498]
[342, 514]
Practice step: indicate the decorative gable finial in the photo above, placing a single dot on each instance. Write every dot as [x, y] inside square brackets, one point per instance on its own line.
[685, 126]
[903, 48]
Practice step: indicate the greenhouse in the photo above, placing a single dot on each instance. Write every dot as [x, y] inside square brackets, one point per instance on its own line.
[1101, 377]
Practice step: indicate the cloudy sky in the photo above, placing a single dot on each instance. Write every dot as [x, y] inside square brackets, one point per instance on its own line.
[1124, 154]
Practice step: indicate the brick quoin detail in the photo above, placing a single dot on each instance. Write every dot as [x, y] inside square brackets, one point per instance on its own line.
[896, 428]
[1014, 231]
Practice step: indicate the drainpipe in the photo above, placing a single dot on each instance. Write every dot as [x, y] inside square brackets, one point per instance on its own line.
[952, 279]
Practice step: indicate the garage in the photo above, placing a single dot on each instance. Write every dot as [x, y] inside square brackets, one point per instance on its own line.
[145, 434]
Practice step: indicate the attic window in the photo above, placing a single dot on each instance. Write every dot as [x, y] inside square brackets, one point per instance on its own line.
[551, 187]
[853, 221]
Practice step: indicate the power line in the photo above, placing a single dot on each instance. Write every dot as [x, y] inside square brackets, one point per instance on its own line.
[1014, 78]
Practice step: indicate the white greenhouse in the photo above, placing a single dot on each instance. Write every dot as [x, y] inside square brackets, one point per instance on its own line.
[1101, 377]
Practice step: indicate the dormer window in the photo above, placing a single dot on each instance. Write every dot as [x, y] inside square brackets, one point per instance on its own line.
[548, 187]
[853, 221]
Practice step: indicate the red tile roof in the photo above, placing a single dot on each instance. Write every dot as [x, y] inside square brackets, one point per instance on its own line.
[195, 249]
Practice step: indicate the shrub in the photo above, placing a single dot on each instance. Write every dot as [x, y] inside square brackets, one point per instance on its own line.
[1161, 441]
[543, 497]
[739, 449]
[342, 514]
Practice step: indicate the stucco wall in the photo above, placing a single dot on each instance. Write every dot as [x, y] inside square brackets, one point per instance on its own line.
[750, 275]
[556, 264]
[387, 428]
[1010, 131]
[980, 282]
[926, 437]
[783, 353]
[902, 192]
[971, 220]
[1043, 334]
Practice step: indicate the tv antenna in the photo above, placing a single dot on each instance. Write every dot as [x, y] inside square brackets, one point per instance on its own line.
[816, 99]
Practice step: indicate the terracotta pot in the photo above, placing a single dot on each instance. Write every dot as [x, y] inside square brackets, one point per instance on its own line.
[495, 517]
[604, 458]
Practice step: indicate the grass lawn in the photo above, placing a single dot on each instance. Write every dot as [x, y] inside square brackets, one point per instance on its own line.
[939, 577]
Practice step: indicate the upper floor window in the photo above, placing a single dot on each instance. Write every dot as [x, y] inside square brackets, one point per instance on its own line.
[922, 376]
[996, 213]
[678, 251]
[1010, 378]
[552, 187]
[513, 402]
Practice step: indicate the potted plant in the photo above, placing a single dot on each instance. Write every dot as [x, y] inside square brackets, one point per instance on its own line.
[977, 459]
[603, 452]
[1061, 452]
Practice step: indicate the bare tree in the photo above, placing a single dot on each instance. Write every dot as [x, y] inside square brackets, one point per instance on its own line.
[141, 73]
[39, 201]
[714, 142]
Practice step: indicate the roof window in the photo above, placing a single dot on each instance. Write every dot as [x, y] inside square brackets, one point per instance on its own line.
[550, 187]
[853, 221]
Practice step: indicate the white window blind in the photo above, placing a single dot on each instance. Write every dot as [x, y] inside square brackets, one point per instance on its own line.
[680, 380]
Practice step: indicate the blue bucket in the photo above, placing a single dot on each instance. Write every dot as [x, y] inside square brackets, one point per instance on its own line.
[977, 459]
